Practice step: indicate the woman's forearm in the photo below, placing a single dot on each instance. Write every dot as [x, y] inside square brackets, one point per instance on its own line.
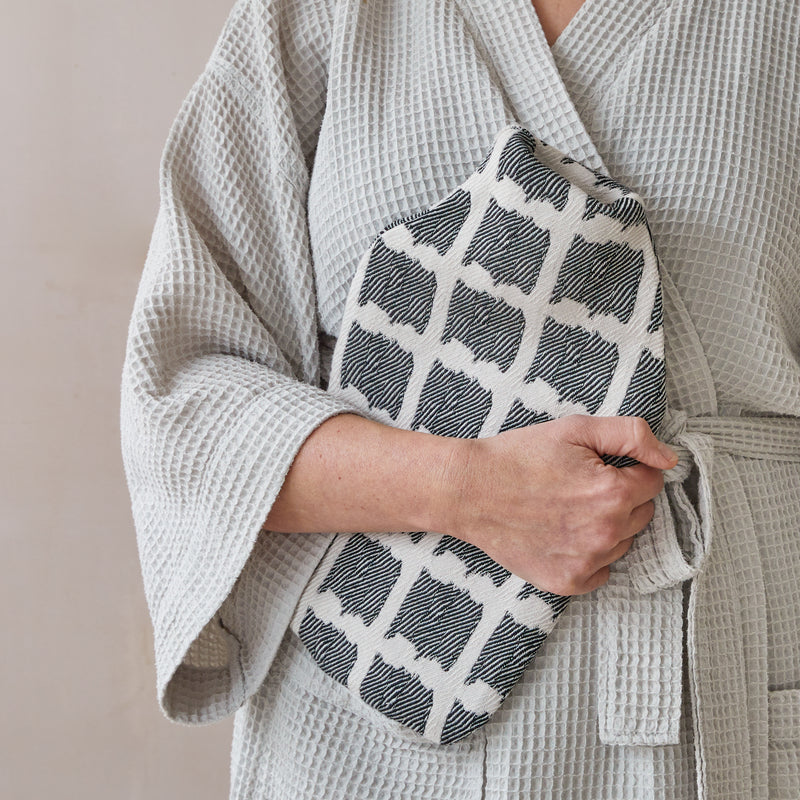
[354, 474]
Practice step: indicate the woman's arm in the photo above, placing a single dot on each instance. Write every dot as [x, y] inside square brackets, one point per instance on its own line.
[539, 500]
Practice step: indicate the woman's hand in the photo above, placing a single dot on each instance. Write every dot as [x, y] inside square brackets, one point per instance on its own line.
[541, 501]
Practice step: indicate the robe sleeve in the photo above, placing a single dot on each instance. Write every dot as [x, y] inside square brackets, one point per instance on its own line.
[221, 383]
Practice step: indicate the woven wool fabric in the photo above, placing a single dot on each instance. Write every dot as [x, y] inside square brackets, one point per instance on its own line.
[693, 105]
[529, 293]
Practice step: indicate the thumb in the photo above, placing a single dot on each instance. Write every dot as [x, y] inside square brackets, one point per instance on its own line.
[624, 436]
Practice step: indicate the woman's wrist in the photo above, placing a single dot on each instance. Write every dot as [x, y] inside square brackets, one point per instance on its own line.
[452, 490]
[428, 474]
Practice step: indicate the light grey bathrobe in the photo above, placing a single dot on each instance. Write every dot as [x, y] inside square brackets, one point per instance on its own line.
[314, 124]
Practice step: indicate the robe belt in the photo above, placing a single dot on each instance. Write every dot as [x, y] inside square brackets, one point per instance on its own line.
[640, 609]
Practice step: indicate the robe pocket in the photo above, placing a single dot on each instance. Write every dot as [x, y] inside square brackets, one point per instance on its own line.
[784, 744]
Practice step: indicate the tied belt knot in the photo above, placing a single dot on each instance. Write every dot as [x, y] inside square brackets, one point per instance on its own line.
[640, 609]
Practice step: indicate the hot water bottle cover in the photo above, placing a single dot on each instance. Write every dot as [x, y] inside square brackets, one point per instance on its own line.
[529, 293]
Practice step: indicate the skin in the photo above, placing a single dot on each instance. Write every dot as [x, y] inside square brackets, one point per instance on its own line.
[555, 15]
[539, 500]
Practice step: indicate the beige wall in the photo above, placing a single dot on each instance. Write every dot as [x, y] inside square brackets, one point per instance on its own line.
[89, 89]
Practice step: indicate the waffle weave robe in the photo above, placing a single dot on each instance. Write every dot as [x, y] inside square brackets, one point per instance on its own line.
[314, 124]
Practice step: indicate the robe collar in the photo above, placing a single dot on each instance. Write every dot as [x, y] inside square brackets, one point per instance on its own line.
[547, 89]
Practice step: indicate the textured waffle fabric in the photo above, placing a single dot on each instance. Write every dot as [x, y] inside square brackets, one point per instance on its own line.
[316, 123]
[529, 293]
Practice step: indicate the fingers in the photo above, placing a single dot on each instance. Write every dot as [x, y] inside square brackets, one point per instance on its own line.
[618, 551]
[584, 571]
[640, 482]
[595, 581]
[624, 436]
[641, 516]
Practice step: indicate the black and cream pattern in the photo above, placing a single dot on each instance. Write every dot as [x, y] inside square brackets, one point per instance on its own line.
[531, 292]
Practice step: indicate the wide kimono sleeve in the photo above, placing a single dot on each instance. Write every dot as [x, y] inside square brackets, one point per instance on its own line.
[221, 379]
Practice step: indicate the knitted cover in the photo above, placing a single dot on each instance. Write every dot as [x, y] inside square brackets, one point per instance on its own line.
[529, 293]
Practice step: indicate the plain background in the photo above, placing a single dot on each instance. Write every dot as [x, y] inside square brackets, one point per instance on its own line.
[89, 91]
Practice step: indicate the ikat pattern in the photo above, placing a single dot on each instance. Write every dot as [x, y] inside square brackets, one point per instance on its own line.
[529, 293]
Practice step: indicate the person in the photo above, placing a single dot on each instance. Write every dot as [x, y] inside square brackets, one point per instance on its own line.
[313, 125]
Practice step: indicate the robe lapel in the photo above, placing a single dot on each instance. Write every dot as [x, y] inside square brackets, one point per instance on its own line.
[528, 74]
[548, 89]
[598, 40]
